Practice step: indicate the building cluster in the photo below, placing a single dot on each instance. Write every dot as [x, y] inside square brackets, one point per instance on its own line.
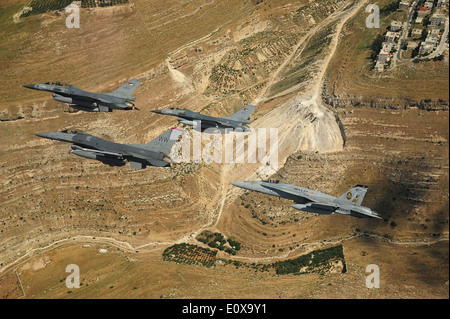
[430, 16]
[389, 46]
[427, 25]
[423, 12]
[431, 41]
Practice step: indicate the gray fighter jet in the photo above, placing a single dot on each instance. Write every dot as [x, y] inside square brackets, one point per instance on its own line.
[154, 153]
[203, 122]
[78, 99]
[311, 201]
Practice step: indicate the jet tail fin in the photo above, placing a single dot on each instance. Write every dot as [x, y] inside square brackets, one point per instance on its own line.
[243, 114]
[126, 90]
[354, 196]
[164, 142]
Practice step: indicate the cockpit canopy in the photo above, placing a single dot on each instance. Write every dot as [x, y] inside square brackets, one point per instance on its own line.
[72, 131]
[57, 83]
[274, 181]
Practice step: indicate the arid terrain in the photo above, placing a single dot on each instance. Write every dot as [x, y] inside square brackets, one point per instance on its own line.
[304, 64]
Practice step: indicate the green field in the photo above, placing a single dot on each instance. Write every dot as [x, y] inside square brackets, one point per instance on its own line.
[316, 261]
[190, 254]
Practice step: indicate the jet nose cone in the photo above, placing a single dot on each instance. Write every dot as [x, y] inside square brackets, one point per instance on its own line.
[45, 135]
[30, 86]
[240, 184]
[157, 111]
[58, 136]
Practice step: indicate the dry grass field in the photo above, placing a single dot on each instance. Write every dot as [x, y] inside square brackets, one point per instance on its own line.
[57, 209]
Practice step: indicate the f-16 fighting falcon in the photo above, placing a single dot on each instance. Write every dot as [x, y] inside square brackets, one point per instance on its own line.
[88, 101]
[154, 153]
[203, 122]
[311, 201]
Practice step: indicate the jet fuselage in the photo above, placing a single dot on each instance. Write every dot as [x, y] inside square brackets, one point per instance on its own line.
[314, 201]
[84, 145]
[195, 120]
[83, 100]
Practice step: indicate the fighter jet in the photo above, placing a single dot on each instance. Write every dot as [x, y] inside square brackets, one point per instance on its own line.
[154, 153]
[203, 122]
[311, 201]
[78, 99]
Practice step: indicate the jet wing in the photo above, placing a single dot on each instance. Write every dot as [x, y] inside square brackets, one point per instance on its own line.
[318, 208]
[358, 211]
[224, 123]
[82, 95]
[288, 190]
[324, 206]
[97, 152]
[215, 122]
[126, 90]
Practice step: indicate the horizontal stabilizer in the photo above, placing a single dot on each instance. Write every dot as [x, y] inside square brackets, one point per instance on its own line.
[358, 211]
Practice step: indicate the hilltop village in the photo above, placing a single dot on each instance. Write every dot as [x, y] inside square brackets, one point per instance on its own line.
[422, 36]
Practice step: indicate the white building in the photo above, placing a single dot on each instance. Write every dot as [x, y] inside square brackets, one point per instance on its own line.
[391, 36]
[437, 19]
[428, 5]
[429, 44]
[435, 32]
[404, 5]
[412, 45]
[426, 48]
[421, 14]
[416, 33]
[396, 25]
[383, 57]
[441, 3]
[379, 66]
[386, 47]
